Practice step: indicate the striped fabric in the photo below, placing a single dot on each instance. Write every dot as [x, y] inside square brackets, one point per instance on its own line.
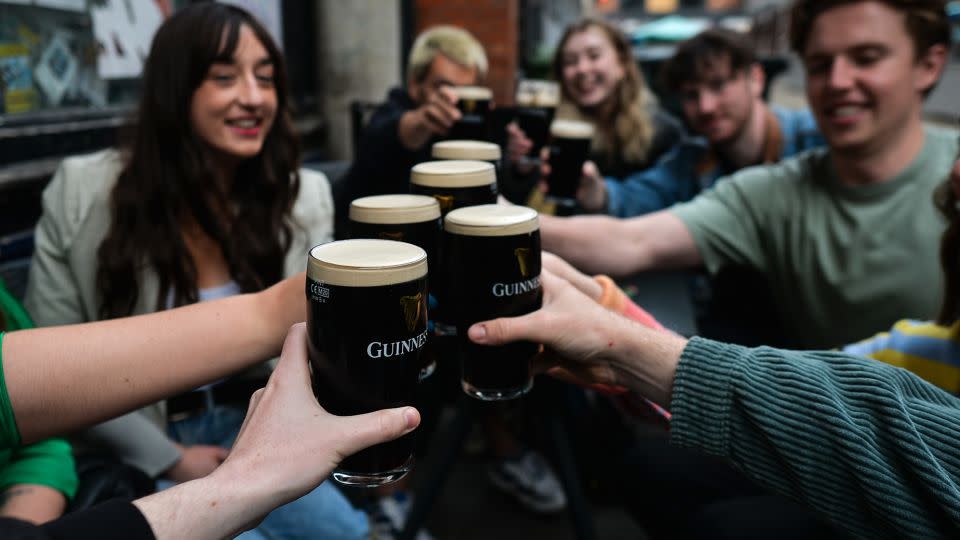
[929, 350]
[873, 448]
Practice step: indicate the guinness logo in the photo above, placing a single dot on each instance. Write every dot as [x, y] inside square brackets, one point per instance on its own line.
[397, 235]
[446, 202]
[412, 306]
[469, 106]
[523, 254]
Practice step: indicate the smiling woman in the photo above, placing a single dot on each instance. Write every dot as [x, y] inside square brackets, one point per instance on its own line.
[207, 201]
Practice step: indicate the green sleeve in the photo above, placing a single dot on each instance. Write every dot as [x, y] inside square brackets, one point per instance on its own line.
[9, 434]
[729, 222]
[47, 463]
[871, 447]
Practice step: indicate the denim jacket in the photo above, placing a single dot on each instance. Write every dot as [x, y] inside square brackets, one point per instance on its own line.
[690, 167]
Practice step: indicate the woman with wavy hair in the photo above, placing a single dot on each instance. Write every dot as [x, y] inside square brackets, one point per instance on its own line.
[601, 84]
[206, 201]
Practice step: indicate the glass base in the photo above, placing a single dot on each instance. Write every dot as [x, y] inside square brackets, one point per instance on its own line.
[499, 394]
[371, 480]
[428, 370]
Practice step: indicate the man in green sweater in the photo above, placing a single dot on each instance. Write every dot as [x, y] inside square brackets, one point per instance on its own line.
[872, 447]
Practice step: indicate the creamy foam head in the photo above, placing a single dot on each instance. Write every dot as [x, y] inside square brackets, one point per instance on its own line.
[394, 209]
[571, 129]
[478, 150]
[366, 263]
[473, 92]
[492, 220]
[453, 174]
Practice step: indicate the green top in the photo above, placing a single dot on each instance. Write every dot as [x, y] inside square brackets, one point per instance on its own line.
[871, 447]
[46, 463]
[842, 262]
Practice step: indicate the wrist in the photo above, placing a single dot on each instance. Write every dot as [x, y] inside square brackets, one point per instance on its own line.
[646, 360]
[204, 508]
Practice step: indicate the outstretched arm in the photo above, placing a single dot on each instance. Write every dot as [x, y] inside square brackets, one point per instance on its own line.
[62, 378]
[620, 247]
[870, 446]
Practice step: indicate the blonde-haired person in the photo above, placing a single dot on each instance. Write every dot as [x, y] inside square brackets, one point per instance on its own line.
[601, 84]
[400, 132]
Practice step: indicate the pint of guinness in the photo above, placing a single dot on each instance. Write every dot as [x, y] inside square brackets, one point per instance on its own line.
[569, 149]
[405, 218]
[475, 103]
[472, 150]
[492, 263]
[537, 102]
[366, 326]
[455, 183]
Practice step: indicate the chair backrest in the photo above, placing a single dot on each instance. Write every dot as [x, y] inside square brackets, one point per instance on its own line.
[360, 113]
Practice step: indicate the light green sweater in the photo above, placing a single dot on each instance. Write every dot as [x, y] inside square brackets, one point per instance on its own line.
[872, 447]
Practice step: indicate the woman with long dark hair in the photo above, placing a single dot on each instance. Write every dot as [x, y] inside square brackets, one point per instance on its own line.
[206, 201]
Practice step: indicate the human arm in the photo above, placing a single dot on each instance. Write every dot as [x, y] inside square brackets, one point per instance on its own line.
[620, 247]
[63, 378]
[287, 446]
[672, 179]
[435, 117]
[32, 502]
[37, 480]
[518, 144]
[870, 446]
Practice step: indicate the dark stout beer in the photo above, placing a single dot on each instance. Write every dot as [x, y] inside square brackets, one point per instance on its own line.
[492, 264]
[569, 149]
[366, 326]
[474, 103]
[536, 105]
[405, 218]
[455, 183]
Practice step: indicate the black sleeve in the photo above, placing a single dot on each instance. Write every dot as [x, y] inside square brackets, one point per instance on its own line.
[116, 519]
[381, 164]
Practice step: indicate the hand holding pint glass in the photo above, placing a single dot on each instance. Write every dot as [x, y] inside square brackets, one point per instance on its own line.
[492, 265]
[537, 102]
[475, 103]
[366, 328]
[569, 149]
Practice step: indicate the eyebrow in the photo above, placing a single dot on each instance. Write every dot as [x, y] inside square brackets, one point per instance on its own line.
[859, 47]
[230, 61]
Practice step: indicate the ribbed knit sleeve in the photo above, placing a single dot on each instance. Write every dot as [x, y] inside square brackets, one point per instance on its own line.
[872, 447]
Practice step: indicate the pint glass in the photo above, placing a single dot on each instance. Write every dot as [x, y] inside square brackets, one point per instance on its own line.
[492, 265]
[569, 149]
[404, 218]
[474, 103]
[366, 327]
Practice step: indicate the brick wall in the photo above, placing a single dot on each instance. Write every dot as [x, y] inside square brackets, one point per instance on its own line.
[493, 22]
